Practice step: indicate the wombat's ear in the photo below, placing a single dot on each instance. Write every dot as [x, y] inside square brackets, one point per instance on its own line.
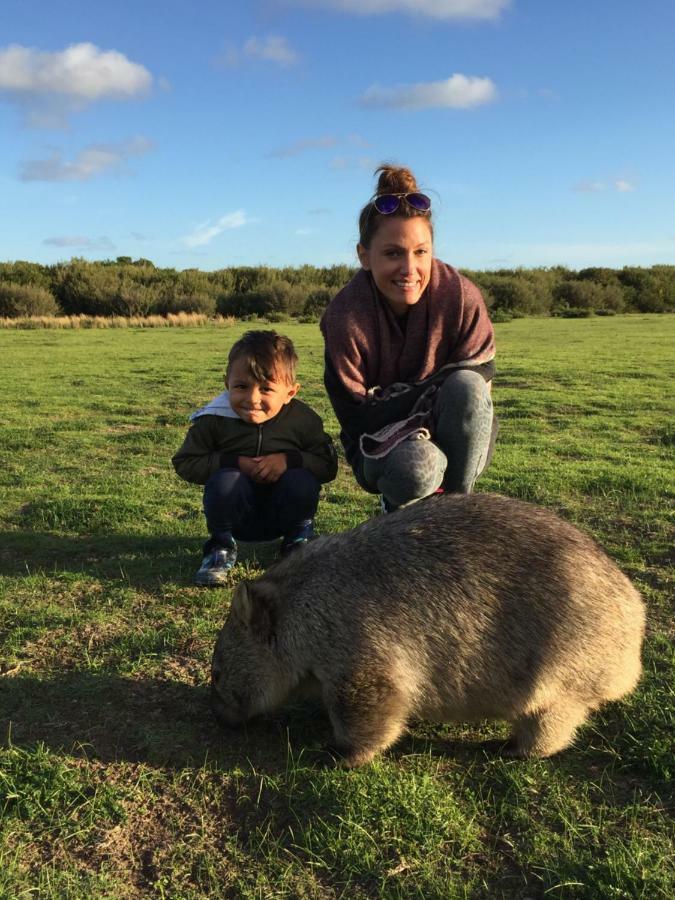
[241, 607]
[253, 605]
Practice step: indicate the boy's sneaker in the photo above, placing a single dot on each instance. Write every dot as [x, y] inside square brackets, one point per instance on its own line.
[216, 565]
[291, 546]
[297, 539]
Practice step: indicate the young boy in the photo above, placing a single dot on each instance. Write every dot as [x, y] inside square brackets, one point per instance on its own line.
[261, 454]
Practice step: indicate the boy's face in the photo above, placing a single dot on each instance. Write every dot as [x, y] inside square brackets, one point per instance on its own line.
[256, 401]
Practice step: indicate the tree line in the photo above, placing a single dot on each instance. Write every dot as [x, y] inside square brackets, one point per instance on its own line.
[127, 287]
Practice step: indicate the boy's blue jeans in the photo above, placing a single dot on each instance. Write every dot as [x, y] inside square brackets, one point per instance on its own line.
[236, 506]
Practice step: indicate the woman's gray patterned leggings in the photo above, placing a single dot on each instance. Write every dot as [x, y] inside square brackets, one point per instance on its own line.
[462, 441]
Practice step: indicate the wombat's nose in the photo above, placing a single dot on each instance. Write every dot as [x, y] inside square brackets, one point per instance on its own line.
[219, 710]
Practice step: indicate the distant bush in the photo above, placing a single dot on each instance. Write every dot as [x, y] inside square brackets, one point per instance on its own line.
[17, 300]
[128, 287]
[271, 299]
[190, 291]
[102, 290]
[500, 315]
[575, 312]
[649, 290]
[585, 294]
[511, 293]
[28, 273]
[317, 301]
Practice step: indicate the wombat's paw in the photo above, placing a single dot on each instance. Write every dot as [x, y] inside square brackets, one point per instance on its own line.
[548, 731]
[511, 749]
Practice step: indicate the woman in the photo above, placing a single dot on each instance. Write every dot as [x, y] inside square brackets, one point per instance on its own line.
[409, 356]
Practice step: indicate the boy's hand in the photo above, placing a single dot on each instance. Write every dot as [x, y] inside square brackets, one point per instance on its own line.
[268, 469]
[248, 465]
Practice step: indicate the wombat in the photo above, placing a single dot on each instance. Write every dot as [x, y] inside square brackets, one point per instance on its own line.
[455, 608]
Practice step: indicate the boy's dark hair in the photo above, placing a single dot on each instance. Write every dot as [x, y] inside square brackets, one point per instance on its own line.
[267, 355]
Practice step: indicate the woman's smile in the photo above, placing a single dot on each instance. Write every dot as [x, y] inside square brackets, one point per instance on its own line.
[399, 259]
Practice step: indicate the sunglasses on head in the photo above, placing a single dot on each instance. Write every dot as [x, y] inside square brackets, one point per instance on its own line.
[389, 203]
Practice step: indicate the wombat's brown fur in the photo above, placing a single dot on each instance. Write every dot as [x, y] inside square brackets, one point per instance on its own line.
[455, 608]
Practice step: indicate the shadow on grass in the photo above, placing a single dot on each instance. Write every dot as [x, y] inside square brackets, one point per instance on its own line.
[261, 790]
[136, 559]
[169, 723]
[164, 723]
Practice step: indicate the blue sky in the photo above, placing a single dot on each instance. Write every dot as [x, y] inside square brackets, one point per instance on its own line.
[210, 134]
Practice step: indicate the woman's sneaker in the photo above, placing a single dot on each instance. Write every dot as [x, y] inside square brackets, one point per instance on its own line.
[386, 506]
[216, 565]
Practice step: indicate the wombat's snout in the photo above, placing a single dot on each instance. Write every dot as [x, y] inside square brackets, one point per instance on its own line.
[224, 715]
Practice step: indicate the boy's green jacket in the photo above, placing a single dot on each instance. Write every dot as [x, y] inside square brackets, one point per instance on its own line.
[215, 442]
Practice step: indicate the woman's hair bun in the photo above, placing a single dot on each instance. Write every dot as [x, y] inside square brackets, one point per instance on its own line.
[392, 180]
[395, 180]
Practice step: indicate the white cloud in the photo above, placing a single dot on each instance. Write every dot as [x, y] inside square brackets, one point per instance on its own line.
[79, 241]
[456, 92]
[358, 141]
[589, 187]
[434, 9]
[206, 232]
[50, 85]
[274, 48]
[325, 142]
[301, 146]
[622, 185]
[92, 161]
[342, 163]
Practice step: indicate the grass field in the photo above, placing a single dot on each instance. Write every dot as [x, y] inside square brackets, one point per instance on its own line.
[114, 779]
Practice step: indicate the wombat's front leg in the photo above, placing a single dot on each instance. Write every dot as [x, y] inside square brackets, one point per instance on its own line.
[546, 731]
[368, 713]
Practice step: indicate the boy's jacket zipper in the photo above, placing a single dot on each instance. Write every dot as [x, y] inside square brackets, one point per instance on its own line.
[259, 446]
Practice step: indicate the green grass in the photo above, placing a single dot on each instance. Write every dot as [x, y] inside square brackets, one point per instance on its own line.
[115, 781]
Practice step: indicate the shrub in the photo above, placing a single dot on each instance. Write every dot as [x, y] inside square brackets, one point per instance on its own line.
[500, 315]
[84, 287]
[514, 295]
[584, 294]
[316, 302]
[190, 291]
[648, 291]
[17, 300]
[269, 299]
[28, 273]
[575, 312]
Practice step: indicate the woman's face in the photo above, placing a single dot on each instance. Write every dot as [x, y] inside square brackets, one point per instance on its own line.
[399, 259]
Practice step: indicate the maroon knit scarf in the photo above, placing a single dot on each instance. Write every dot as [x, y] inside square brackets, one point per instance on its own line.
[448, 326]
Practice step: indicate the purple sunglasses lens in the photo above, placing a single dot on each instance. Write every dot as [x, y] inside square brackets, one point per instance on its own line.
[419, 201]
[386, 204]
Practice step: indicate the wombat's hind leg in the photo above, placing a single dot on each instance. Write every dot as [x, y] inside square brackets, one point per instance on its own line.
[546, 731]
[368, 714]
